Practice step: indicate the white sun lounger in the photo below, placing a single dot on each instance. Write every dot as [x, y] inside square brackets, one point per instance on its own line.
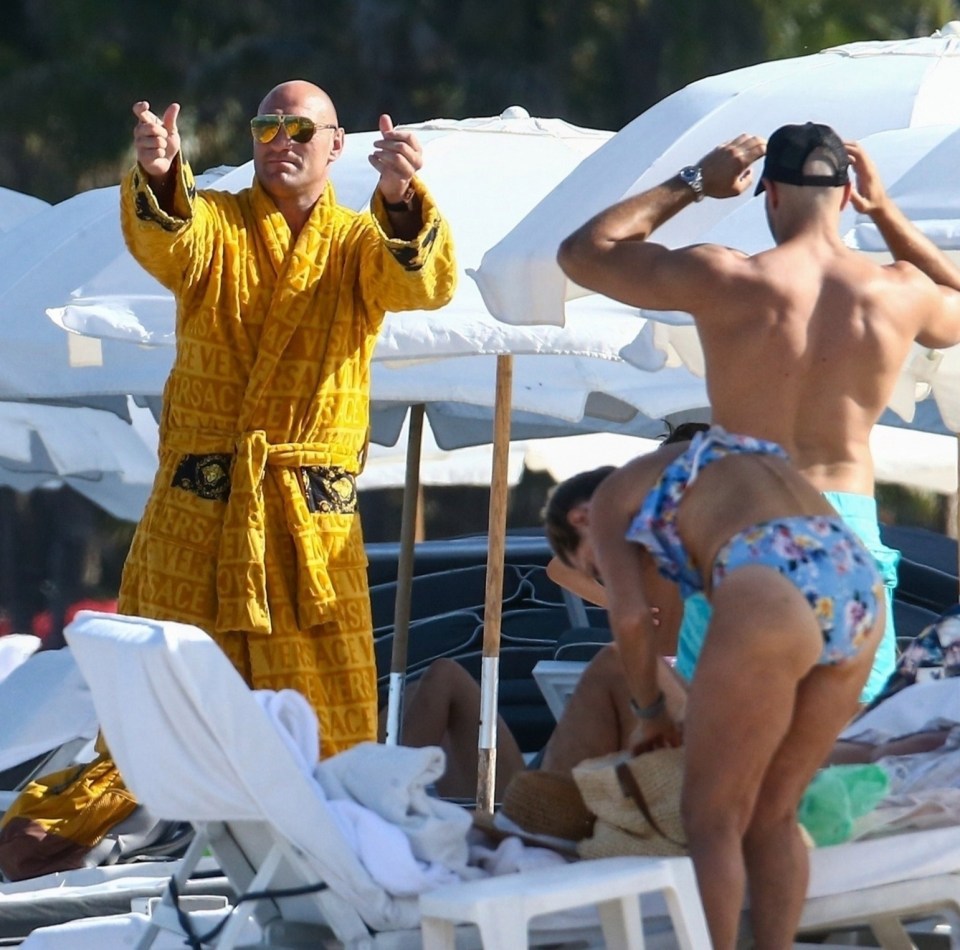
[48, 722]
[193, 744]
[46, 715]
[196, 741]
[883, 883]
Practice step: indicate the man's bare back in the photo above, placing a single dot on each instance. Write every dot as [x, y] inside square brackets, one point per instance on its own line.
[812, 360]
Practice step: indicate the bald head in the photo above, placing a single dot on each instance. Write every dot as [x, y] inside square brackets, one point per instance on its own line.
[293, 171]
[308, 99]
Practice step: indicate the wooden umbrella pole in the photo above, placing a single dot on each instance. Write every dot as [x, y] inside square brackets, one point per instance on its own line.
[493, 604]
[401, 610]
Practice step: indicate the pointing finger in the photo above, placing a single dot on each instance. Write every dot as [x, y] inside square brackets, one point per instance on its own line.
[142, 111]
[386, 124]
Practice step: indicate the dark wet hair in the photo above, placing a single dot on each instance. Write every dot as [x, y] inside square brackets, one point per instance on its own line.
[563, 536]
[684, 432]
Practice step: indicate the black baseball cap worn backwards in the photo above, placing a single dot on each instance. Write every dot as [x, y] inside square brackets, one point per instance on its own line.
[789, 148]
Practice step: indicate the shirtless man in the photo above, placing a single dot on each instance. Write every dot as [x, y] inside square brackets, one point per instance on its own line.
[803, 343]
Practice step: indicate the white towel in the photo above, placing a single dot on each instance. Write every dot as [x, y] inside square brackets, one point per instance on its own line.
[385, 852]
[920, 706]
[296, 723]
[384, 846]
[393, 781]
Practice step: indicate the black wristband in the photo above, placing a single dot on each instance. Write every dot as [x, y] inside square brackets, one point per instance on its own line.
[400, 207]
[651, 711]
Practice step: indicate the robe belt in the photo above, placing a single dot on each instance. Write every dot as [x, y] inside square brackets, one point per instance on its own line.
[241, 560]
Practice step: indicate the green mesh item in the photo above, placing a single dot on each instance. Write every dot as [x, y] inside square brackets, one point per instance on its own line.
[837, 797]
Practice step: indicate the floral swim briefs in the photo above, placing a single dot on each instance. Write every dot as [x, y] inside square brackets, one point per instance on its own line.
[827, 563]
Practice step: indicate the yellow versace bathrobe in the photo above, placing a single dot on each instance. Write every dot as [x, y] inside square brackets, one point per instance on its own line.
[251, 531]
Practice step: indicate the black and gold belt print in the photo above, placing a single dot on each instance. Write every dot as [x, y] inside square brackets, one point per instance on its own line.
[327, 488]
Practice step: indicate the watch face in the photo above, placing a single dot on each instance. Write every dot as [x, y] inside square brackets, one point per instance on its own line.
[690, 174]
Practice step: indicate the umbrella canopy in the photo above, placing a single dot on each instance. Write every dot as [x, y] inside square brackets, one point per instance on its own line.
[553, 394]
[859, 88]
[385, 465]
[109, 461]
[16, 207]
[42, 260]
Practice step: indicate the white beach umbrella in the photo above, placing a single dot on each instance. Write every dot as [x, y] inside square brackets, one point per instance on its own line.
[15, 207]
[859, 89]
[42, 260]
[108, 460]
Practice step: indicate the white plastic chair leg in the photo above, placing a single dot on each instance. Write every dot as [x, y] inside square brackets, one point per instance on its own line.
[686, 911]
[437, 934]
[622, 922]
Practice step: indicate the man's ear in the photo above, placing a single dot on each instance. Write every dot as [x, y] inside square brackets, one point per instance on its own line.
[336, 150]
[845, 200]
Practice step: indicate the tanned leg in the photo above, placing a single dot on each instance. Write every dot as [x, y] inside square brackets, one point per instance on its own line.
[775, 855]
[597, 718]
[442, 708]
[763, 639]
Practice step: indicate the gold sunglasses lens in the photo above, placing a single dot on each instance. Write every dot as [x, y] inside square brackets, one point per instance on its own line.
[265, 127]
[298, 128]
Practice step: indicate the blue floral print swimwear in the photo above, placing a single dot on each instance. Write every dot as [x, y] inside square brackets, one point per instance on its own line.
[820, 555]
[827, 563]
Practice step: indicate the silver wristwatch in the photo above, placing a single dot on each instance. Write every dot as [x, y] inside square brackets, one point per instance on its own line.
[692, 175]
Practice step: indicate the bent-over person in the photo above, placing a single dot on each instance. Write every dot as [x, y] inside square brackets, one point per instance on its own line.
[798, 612]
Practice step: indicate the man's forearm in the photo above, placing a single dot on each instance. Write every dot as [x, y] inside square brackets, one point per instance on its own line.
[633, 219]
[907, 243]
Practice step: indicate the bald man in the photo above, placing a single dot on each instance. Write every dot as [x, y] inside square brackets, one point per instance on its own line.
[252, 531]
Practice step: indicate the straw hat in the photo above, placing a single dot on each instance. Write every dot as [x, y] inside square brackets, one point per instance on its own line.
[609, 841]
[547, 803]
[634, 798]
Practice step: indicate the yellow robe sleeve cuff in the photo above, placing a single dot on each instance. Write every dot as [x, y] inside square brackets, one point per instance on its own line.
[412, 254]
[145, 204]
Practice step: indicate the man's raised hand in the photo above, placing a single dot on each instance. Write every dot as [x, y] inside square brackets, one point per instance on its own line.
[398, 157]
[868, 194]
[726, 170]
[156, 140]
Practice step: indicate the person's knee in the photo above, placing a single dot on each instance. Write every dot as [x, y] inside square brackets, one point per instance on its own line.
[605, 666]
[706, 818]
[768, 825]
[443, 674]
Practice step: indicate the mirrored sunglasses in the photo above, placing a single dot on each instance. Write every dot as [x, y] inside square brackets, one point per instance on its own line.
[298, 127]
